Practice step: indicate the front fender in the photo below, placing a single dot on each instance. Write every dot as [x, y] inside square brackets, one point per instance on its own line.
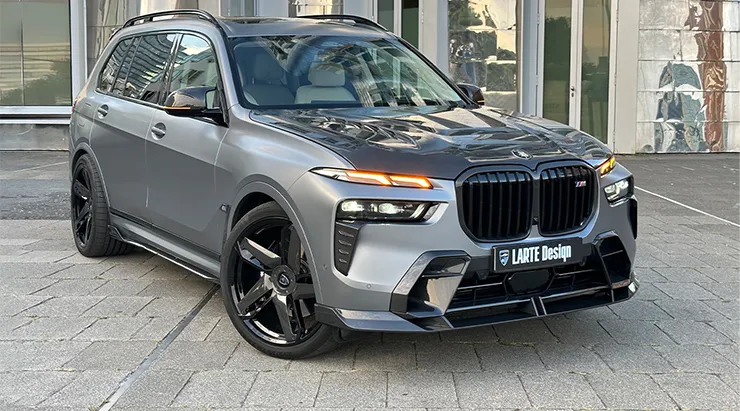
[265, 185]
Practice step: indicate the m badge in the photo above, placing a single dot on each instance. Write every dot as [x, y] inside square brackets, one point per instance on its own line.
[581, 183]
[503, 256]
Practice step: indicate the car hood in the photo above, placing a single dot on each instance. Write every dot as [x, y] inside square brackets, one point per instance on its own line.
[436, 142]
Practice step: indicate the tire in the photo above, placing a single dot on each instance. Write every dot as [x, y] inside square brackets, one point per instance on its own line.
[244, 275]
[89, 213]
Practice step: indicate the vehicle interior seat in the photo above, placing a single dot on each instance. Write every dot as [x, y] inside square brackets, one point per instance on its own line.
[327, 84]
[266, 87]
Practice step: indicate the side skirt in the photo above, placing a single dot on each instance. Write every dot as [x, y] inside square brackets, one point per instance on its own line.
[165, 245]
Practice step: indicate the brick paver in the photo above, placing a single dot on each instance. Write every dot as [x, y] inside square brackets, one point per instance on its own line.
[72, 328]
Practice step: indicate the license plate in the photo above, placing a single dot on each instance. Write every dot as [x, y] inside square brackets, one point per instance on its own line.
[522, 257]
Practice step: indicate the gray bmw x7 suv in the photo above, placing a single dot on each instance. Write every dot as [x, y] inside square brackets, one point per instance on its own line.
[331, 178]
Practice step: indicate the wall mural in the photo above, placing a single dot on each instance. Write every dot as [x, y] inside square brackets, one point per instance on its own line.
[691, 110]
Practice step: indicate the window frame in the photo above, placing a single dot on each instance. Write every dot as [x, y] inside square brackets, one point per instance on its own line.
[167, 69]
[171, 67]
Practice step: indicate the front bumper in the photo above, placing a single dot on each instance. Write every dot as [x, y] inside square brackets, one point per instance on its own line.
[389, 286]
[442, 299]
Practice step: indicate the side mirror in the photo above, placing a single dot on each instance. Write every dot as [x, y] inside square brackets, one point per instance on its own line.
[195, 102]
[474, 92]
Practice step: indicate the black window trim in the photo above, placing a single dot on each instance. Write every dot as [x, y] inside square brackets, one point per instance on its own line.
[168, 66]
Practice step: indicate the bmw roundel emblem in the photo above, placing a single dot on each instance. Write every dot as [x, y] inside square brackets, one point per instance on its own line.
[521, 154]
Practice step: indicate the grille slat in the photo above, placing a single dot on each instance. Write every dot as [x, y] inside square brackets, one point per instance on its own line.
[502, 205]
[509, 196]
[491, 199]
[566, 199]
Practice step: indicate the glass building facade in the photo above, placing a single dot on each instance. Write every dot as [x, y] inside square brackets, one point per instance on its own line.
[603, 66]
[35, 66]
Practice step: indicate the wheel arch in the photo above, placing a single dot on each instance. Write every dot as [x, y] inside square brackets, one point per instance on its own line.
[262, 189]
[81, 149]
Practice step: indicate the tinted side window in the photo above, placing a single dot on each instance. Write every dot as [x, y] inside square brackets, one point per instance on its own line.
[108, 74]
[146, 77]
[195, 64]
[120, 82]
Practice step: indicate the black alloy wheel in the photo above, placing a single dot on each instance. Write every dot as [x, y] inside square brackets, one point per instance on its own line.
[267, 286]
[82, 205]
[89, 212]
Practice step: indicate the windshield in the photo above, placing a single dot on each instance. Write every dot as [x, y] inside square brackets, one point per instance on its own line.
[336, 71]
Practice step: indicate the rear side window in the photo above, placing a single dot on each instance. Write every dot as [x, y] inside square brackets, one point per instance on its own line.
[121, 78]
[195, 64]
[108, 75]
[145, 80]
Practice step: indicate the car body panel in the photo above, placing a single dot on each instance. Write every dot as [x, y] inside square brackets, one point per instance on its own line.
[119, 141]
[432, 141]
[182, 193]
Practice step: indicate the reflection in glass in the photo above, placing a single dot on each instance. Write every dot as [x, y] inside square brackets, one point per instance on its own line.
[195, 65]
[35, 53]
[595, 68]
[122, 77]
[483, 48]
[145, 79]
[386, 16]
[104, 16]
[11, 58]
[306, 7]
[556, 83]
[336, 71]
[410, 21]
[108, 75]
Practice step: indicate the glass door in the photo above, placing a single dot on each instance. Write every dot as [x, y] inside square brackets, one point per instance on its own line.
[576, 64]
[400, 17]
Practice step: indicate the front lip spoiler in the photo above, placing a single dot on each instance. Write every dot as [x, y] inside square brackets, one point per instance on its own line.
[533, 307]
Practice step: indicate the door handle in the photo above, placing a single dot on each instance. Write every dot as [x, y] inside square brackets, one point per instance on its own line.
[103, 111]
[158, 130]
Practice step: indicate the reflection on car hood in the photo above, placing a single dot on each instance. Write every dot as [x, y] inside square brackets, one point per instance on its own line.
[433, 141]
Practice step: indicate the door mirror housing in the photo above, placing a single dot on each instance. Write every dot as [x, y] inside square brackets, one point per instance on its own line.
[195, 102]
[473, 92]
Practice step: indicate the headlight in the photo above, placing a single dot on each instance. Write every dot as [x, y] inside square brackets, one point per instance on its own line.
[619, 190]
[368, 177]
[607, 166]
[382, 210]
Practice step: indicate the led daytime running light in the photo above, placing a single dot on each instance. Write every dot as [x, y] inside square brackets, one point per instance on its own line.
[607, 166]
[368, 177]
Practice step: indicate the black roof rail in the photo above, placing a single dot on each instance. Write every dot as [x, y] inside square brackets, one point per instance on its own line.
[204, 15]
[339, 17]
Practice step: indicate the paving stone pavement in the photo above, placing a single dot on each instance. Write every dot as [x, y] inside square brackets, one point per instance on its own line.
[72, 329]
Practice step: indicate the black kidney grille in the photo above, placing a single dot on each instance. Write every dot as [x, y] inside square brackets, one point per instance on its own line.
[566, 198]
[498, 205]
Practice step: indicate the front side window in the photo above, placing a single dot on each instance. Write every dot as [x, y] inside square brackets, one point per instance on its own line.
[336, 71]
[195, 64]
[146, 76]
